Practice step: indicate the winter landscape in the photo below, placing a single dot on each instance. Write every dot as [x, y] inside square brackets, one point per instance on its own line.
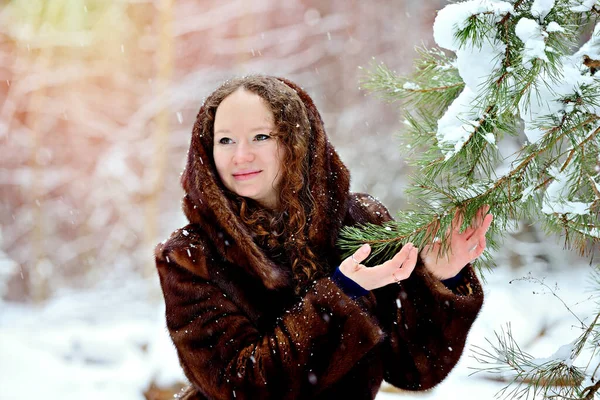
[97, 100]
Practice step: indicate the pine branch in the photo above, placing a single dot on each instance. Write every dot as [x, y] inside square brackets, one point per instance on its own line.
[435, 223]
[434, 86]
[526, 375]
[454, 125]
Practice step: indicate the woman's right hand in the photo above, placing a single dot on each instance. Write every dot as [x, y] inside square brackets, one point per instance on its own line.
[392, 271]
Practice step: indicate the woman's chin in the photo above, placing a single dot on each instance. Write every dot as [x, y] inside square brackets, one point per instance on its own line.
[251, 194]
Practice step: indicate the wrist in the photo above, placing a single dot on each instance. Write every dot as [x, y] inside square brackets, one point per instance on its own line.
[453, 282]
[451, 274]
[348, 285]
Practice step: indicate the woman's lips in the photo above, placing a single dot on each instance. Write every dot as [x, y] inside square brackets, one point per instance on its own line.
[246, 176]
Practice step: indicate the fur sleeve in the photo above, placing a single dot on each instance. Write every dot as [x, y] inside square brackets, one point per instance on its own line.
[225, 356]
[426, 324]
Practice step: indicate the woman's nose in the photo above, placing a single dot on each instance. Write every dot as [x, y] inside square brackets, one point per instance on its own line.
[243, 153]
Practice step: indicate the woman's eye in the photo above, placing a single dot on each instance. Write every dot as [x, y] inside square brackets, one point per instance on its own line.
[262, 137]
[225, 140]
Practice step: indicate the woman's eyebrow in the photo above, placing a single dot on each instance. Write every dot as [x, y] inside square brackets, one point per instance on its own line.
[260, 128]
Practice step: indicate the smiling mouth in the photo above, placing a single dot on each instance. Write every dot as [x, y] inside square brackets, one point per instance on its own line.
[247, 175]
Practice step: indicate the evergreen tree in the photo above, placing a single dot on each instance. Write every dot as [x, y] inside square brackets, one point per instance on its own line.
[512, 69]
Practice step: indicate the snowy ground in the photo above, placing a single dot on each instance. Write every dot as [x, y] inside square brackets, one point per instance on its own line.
[111, 342]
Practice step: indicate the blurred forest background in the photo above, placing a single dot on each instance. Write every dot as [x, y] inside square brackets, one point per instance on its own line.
[98, 98]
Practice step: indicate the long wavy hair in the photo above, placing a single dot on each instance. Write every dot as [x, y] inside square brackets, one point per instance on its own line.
[281, 233]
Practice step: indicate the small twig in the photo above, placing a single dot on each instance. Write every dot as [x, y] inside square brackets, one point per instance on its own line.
[591, 391]
[542, 283]
[593, 185]
[507, 15]
[580, 145]
[544, 183]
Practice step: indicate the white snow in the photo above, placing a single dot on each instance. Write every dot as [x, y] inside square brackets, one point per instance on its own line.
[490, 138]
[546, 99]
[564, 354]
[475, 63]
[106, 343]
[554, 27]
[527, 193]
[411, 86]
[541, 8]
[454, 17]
[593, 232]
[556, 195]
[533, 38]
[457, 124]
[582, 5]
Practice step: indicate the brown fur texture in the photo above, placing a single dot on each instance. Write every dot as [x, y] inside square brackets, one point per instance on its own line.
[240, 330]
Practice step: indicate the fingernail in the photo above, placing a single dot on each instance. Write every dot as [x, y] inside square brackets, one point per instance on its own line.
[409, 246]
[364, 247]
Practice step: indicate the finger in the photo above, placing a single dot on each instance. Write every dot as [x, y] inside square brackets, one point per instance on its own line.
[481, 247]
[476, 246]
[398, 259]
[479, 221]
[479, 250]
[362, 253]
[487, 222]
[485, 225]
[457, 221]
[481, 214]
[406, 268]
[476, 222]
[469, 232]
[483, 230]
[472, 244]
[352, 263]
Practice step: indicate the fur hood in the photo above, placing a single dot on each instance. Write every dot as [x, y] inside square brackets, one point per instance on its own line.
[206, 205]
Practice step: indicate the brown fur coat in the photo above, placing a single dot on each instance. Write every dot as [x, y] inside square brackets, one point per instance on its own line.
[241, 332]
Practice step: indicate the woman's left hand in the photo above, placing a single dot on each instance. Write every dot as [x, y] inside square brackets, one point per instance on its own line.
[464, 247]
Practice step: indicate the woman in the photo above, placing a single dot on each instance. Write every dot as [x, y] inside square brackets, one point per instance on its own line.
[259, 303]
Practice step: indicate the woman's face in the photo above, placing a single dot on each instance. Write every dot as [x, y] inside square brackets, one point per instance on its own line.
[247, 158]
